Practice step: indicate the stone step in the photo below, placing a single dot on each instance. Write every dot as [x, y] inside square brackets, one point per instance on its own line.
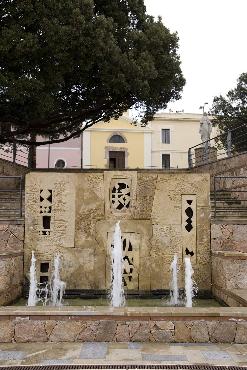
[12, 220]
[10, 204]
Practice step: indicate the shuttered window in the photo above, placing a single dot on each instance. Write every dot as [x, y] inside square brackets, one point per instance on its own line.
[165, 136]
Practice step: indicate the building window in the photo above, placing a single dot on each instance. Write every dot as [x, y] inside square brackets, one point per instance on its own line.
[60, 163]
[117, 139]
[166, 161]
[165, 136]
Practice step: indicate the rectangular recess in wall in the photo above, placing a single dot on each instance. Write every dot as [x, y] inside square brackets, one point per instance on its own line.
[44, 267]
[189, 226]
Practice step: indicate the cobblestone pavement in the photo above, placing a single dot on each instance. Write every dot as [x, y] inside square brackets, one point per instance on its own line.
[122, 353]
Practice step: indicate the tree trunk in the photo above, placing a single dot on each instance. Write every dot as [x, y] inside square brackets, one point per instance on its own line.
[32, 154]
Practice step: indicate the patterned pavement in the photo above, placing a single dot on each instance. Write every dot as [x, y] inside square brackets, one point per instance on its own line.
[122, 353]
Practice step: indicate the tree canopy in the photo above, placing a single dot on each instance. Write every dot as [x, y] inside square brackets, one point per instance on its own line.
[67, 64]
[230, 113]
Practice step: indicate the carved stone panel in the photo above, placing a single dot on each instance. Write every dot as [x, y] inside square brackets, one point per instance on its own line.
[120, 195]
[49, 212]
[45, 211]
[130, 245]
[189, 226]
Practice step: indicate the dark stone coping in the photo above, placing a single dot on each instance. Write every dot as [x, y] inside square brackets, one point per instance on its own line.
[127, 313]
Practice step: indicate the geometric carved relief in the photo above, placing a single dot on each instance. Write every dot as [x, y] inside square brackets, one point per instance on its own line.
[45, 211]
[44, 271]
[120, 195]
[189, 226]
[130, 247]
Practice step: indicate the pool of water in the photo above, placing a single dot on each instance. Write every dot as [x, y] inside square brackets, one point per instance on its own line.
[131, 302]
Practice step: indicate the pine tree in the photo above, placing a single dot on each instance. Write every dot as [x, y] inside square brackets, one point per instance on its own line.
[67, 64]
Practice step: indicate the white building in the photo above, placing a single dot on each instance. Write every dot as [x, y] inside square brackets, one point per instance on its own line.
[172, 136]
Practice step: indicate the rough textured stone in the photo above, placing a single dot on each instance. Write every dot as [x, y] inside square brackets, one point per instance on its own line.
[122, 333]
[139, 331]
[229, 237]
[49, 326]
[106, 331]
[11, 264]
[162, 331]
[11, 278]
[241, 334]
[30, 331]
[183, 331]
[164, 325]
[229, 272]
[88, 331]
[199, 332]
[65, 331]
[6, 331]
[222, 332]
[163, 336]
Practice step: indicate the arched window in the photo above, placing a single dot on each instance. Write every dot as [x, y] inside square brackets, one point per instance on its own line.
[117, 139]
[60, 163]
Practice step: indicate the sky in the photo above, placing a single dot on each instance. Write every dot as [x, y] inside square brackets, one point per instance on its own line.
[212, 46]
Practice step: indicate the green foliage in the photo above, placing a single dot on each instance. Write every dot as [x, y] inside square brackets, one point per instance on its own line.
[67, 64]
[230, 113]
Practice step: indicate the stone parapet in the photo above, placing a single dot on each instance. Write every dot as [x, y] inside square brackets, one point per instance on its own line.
[165, 325]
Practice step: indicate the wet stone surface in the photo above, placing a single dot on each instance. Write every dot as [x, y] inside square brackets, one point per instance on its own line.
[116, 353]
[94, 350]
[170, 358]
[12, 355]
[216, 355]
[56, 362]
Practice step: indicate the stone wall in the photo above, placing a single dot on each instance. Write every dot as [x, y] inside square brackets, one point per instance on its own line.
[229, 262]
[208, 326]
[160, 214]
[229, 270]
[229, 237]
[8, 168]
[233, 166]
[11, 262]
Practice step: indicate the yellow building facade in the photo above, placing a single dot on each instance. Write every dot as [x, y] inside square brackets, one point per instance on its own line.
[117, 144]
[163, 143]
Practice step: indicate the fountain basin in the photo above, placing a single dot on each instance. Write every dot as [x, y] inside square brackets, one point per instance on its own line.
[106, 324]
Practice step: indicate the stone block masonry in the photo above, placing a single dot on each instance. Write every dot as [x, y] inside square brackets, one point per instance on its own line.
[226, 325]
[229, 263]
[160, 214]
[11, 262]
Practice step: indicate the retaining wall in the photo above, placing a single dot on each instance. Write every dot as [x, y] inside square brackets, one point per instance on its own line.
[229, 263]
[166, 325]
[11, 262]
